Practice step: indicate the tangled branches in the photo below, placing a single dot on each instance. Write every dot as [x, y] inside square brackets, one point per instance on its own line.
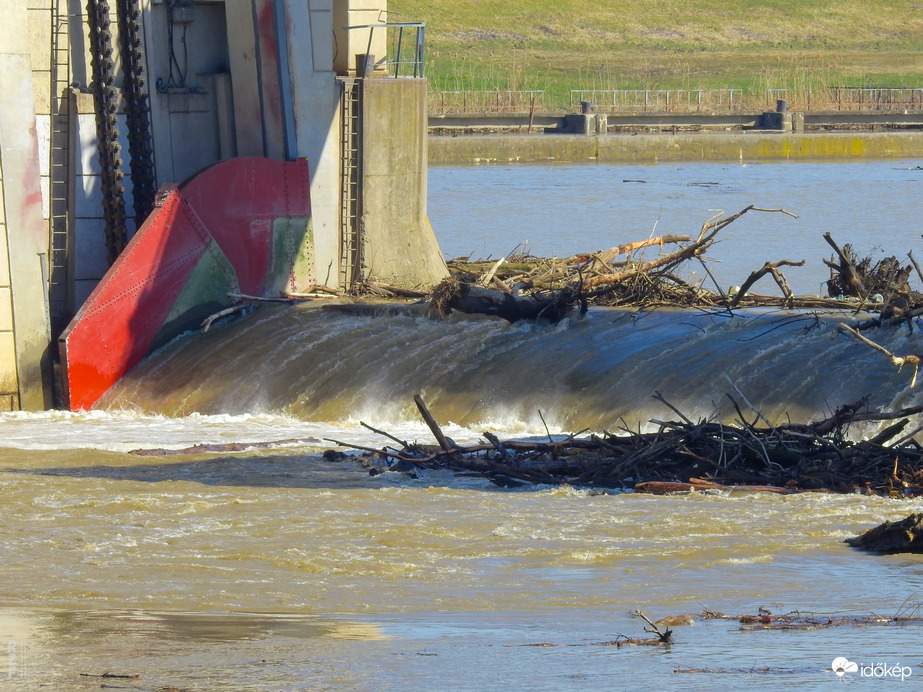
[529, 288]
[685, 455]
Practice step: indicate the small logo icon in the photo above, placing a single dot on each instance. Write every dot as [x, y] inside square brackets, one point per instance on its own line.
[842, 665]
[16, 659]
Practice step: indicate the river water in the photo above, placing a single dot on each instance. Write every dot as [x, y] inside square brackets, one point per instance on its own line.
[566, 209]
[272, 569]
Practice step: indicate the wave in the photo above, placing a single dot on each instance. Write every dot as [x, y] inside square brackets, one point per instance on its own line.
[599, 371]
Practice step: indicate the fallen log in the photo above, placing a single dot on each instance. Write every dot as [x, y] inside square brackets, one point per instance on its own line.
[663, 636]
[468, 298]
[849, 282]
[912, 360]
[904, 536]
[696, 248]
[668, 488]
[443, 441]
[606, 259]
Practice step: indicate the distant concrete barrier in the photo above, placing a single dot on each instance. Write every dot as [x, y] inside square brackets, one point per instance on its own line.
[750, 146]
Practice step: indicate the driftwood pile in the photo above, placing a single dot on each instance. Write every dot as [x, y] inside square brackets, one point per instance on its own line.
[908, 614]
[684, 455]
[523, 287]
[527, 288]
[764, 619]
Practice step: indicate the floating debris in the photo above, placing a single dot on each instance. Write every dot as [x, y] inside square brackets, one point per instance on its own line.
[528, 288]
[904, 536]
[684, 456]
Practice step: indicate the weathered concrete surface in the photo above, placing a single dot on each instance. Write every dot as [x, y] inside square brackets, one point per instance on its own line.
[750, 146]
[398, 246]
[315, 114]
[9, 378]
[350, 43]
[25, 234]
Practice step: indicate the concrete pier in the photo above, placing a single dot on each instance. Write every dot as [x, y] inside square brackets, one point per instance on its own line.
[747, 146]
[25, 363]
[268, 79]
[398, 245]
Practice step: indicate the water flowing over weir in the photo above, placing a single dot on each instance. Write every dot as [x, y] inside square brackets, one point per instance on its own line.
[329, 363]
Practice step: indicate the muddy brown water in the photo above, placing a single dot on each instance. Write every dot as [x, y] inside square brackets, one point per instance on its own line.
[275, 570]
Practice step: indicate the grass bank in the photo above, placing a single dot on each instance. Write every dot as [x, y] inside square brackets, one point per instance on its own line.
[556, 47]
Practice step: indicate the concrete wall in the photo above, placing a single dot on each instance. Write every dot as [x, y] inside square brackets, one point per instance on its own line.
[230, 104]
[9, 377]
[350, 43]
[24, 85]
[189, 117]
[663, 147]
[314, 106]
[398, 244]
[38, 23]
[262, 80]
[87, 262]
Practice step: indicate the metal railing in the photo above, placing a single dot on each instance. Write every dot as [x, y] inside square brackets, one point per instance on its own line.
[495, 101]
[847, 98]
[404, 57]
[658, 99]
[680, 100]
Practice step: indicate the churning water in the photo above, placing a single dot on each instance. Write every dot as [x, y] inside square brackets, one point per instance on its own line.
[272, 569]
[599, 371]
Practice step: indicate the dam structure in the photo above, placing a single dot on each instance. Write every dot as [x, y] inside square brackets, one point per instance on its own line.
[157, 155]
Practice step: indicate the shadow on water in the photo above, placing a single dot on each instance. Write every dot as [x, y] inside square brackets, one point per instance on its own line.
[261, 471]
[206, 627]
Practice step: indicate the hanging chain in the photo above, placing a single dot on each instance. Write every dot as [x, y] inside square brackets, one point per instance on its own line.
[137, 109]
[106, 98]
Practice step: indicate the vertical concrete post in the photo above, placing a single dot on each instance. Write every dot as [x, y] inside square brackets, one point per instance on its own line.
[26, 242]
[245, 78]
[9, 377]
[398, 243]
[315, 103]
[356, 41]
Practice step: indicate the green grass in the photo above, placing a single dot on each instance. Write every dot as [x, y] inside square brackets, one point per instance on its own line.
[667, 44]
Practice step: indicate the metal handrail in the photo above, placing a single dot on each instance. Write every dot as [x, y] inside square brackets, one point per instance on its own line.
[494, 100]
[850, 98]
[419, 41]
[685, 100]
[658, 98]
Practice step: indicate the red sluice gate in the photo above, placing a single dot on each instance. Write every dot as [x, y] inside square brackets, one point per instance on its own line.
[240, 226]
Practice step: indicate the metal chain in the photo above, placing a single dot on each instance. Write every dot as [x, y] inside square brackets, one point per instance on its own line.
[106, 98]
[137, 109]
